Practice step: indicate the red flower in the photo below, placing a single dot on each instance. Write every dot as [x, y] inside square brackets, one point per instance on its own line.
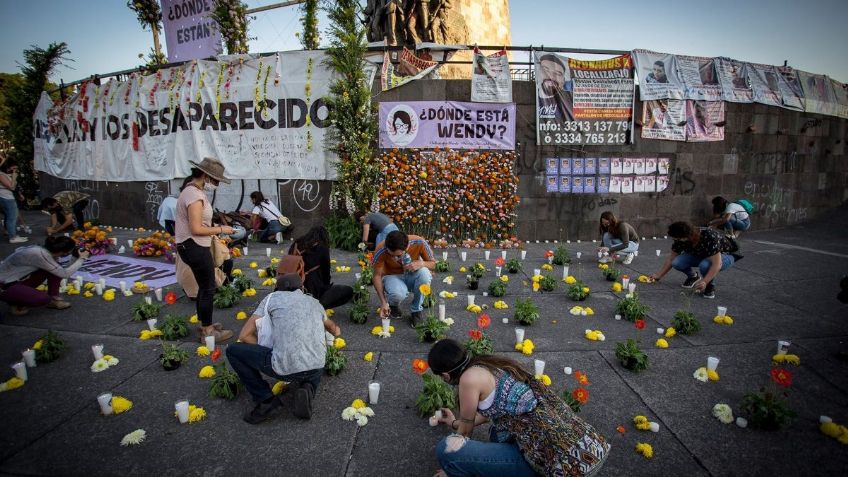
[170, 298]
[216, 355]
[620, 429]
[640, 324]
[500, 261]
[549, 254]
[475, 335]
[419, 366]
[483, 321]
[581, 378]
[581, 395]
[782, 377]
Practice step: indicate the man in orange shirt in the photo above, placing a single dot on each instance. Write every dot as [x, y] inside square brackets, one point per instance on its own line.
[401, 265]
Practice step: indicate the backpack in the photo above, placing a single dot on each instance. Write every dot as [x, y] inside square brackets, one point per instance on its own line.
[293, 263]
[747, 205]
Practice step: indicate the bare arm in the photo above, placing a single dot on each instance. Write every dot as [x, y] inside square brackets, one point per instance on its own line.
[715, 267]
[666, 266]
[8, 181]
[195, 222]
[366, 229]
[248, 331]
[331, 327]
[378, 289]
[723, 219]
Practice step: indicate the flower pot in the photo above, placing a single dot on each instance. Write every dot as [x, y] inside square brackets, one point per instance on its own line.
[512, 270]
[171, 365]
[473, 285]
[429, 338]
[611, 278]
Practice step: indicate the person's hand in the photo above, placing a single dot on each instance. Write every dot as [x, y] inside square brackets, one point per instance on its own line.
[84, 254]
[655, 277]
[603, 249]
[414, 266]
[447, 417]
[334, 329]
[49, 230]
[700, 285]
[226, 229]
[385, 310]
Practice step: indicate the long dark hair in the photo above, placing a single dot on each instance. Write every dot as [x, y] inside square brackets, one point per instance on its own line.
[316, 236]
[257, 197]
[404, 118]
[448, 356]
[61, 244]
[613, 222]
[719, 205]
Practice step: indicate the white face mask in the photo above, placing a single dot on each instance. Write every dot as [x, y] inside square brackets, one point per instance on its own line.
[209, 187]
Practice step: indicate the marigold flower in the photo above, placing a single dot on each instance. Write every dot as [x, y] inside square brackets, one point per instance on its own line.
[369, 355]
[793, 359]
[194, 319]
[38, 344]
[500, 261]
[134, 438]
[701, 375]
[253, 265]
[549, 254]
[262, 273]
[504, 278]
[570, 280]
[547, 267]
[616, 287]
[581, 378]
[195, 413]
[545, 379]
[12, 383]
[424, 289]
[670, 331]
[501, 305]
[723, 413]
[712, 375]
[241, 315]
[339, 343]
[782, 377]
[357, 404]
[121, 404]
[661, 343]
[170, 298]
[645, 449]
[419, 366]
[483, 321]
[535, 286]
[640, 324]
[475, 335]
[206, 372]
[581, 395]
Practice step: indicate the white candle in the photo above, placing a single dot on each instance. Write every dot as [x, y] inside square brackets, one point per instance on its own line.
[210, 342]
[434, 421]
[441, 309]
[578, 254]
[444, 256]
[519, 335]
[578, 240]
[438, 414]
[654, 427]
[523, 254]
[503, 254]
[373, 392]
[721, 310]
[97, 350]
[486, 253]
[102, 282]
[470, 299]
[783, 347]
[245, 251]
[625, 283]
[497, 271]
[567, 370]
[660, 331]
[130, 243]
[358, 276]
[268, 252]
[600, 254]
[182, 411]
[631, 287]
[113, 240]
[98, 288]
[123, 285]
[386, 324]
[712, 363]
[618, 317]
[537, 272]
[463, 255]
[539, 367]
[105, 401]
[550, 260]
[122, 249]
[824, 419]
[659, 252]
[158, 293]
[565, 272]
[741, 422]
[20, 370]
[29, 357]
[151, 324]
[148, 300]
[63, 283]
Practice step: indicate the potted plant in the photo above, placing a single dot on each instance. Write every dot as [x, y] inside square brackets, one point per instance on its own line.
[561, 256]
[578, 291]
[630, 356]
[336, 361]
[435, 395]
[513, 265]
[547, 283]
[242, 283]
[49, 348]
[442, 266]
[611, 274]
[143, 311]
[172, 356]
[684, 321]
[359, 313]
[431, 329]
[497, 288]
[225, 384]
[174, 327]
[226, 297]
[479, 344]
[472, 282]
[526, 312]
[631, 309]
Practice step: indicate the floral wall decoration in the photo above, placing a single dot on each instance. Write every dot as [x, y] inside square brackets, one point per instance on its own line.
[451, 197]
[231, 17]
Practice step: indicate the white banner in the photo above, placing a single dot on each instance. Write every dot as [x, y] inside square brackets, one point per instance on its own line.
[733, 75]
[840, 90]
[490, 80]
[699, 77]
[819, 96]
[262, 117]
[658, 76]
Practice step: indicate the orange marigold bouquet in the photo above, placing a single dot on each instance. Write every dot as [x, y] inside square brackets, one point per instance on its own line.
[93, 238]
[448, 196]
[158, 244]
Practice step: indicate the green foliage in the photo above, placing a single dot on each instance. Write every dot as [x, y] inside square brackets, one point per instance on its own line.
[766, 410]
[148, 12]
[310, 37]
[231, 17]
[359, 313]
[443, 266]
[526, 312]
[242, 283]
[353, 125]
[142, 311]
[51, 348]
[173, 354]
[631, 356]
[685, 323]
[478, 270]
[174, 327]
[431, 329]
[435, 395]
[226, 297]
[513, 265]
[429, 301]
[547, 283]
[561, 256]
[481, 347]
[336, 361]
[631, 309]
[578, 291]
[225, 384]
[611, 274]
[574, 404]
[361, 293]
[344, 232]
[497, 288]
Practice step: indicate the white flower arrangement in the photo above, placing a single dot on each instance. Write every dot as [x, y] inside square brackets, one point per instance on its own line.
[134, 438]
[701, 375]
[723, 413]
[99, 365]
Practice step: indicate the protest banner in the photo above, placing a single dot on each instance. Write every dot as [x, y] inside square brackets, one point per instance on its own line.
[765, 84]
[490, 80]
[704, 121]
[458, 125]
[664, 119]
[658, 78]
[190, 32]
[819, 96]
[262, 117]
[700, 78]
[583, 102]
[119, 268]
[840, 90]
[733, 76]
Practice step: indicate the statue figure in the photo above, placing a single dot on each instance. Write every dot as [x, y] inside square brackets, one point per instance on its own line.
[418, 21]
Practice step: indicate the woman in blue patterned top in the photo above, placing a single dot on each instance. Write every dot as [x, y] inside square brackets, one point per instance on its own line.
[533, 431]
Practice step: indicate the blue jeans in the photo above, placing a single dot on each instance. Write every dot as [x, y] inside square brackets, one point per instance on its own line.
[397, 287]
[737, 224]
[382, 235]
[491, 459]
[250, 361]
[610, 241]
[9, 207]
[684, 263]
[274, 226]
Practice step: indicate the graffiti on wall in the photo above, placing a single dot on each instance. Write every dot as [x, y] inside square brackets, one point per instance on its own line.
[774, 203]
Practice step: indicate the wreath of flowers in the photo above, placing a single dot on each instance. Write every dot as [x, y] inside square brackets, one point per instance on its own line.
[158, 244]
[93, 239]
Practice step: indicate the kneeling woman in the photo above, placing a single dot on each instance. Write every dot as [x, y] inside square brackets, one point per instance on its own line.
[533, 431]
[28, 267]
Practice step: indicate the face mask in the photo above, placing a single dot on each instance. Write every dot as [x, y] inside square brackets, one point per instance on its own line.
[209, 187]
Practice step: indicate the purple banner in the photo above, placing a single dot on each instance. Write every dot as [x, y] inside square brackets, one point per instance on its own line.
[117, 268]
[189, 31]
[458, 125]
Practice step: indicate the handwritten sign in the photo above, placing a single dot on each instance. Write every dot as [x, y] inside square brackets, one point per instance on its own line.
[117, 268]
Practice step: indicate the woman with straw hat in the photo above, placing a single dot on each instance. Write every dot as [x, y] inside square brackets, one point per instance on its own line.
[194, 231]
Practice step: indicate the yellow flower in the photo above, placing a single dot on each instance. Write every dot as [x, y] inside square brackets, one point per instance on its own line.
[121, 404]
[535, 286]
[547, 267]
[603, 266]
[369, 355]
[424, 289]
[358, 404]
[145, 335]
[501, 305]
[585, 289]
[712, 375]
[589, 311]
[525, 347]
[12, 383]
[376, 330]
[339, 343]
[202, 351]
[38, 344]
[330, 313]
[262, 273]
[778, 358]
[253, 265]
[422, 175]
[89, 286]
[570, 280]
[391, 329]
[462, 270]
[194, 319]
[645, 449]
[236, 272]
[275, 261]
[278, 387]
[156, 333]
[206, 372]
[670, 331]
[195, 413]
[474, 308]
[616, 287]
[536, 278]
[241, 315]
[644, 279]
[793, 359]
[545, 379]
[641, 423]
[333, 261]
[88, 294]
[504, 278]
[727, 320]
[661, 343]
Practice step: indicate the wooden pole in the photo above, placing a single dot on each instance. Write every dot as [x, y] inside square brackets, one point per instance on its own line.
[156, 46]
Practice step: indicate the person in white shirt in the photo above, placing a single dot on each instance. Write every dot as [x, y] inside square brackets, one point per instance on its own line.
[730, 217]
[265, 209]
[168, 208]
[8, 204]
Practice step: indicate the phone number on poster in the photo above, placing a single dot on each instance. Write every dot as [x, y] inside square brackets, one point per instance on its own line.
[584, 138]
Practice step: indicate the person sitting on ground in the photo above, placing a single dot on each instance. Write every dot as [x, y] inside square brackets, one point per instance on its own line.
[704, 248]
[28, 267]
[619, 238]
[265, 209]
[375, 222]
[730, 217]
[56, 207]
[314, 248]
[8, 204]
[533, 431]
[401, 265]
[284, 339]
[168, 208]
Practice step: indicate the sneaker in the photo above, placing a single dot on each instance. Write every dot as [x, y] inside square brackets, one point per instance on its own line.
[303, 401]
[690, 282]
[279, 237]
[18, 239]
[628, 259]
[414, 319]
[709, 291]
[220, 335]
[58, 304]
[262, 411]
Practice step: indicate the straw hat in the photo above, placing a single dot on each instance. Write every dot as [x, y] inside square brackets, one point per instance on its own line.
[213, 168]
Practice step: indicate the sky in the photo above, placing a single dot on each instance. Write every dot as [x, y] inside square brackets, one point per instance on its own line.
[104, 35]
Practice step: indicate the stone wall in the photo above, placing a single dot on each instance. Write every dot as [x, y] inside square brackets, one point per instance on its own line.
[487, 23]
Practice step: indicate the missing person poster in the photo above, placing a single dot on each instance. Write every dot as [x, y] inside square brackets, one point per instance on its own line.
[700, 78]
[704, 121]
[490, 80]
[658, 77]
[664, 119]
[733, 76]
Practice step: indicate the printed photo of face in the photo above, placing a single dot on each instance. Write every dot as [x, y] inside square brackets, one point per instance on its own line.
[553, 76]
[657, 74]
